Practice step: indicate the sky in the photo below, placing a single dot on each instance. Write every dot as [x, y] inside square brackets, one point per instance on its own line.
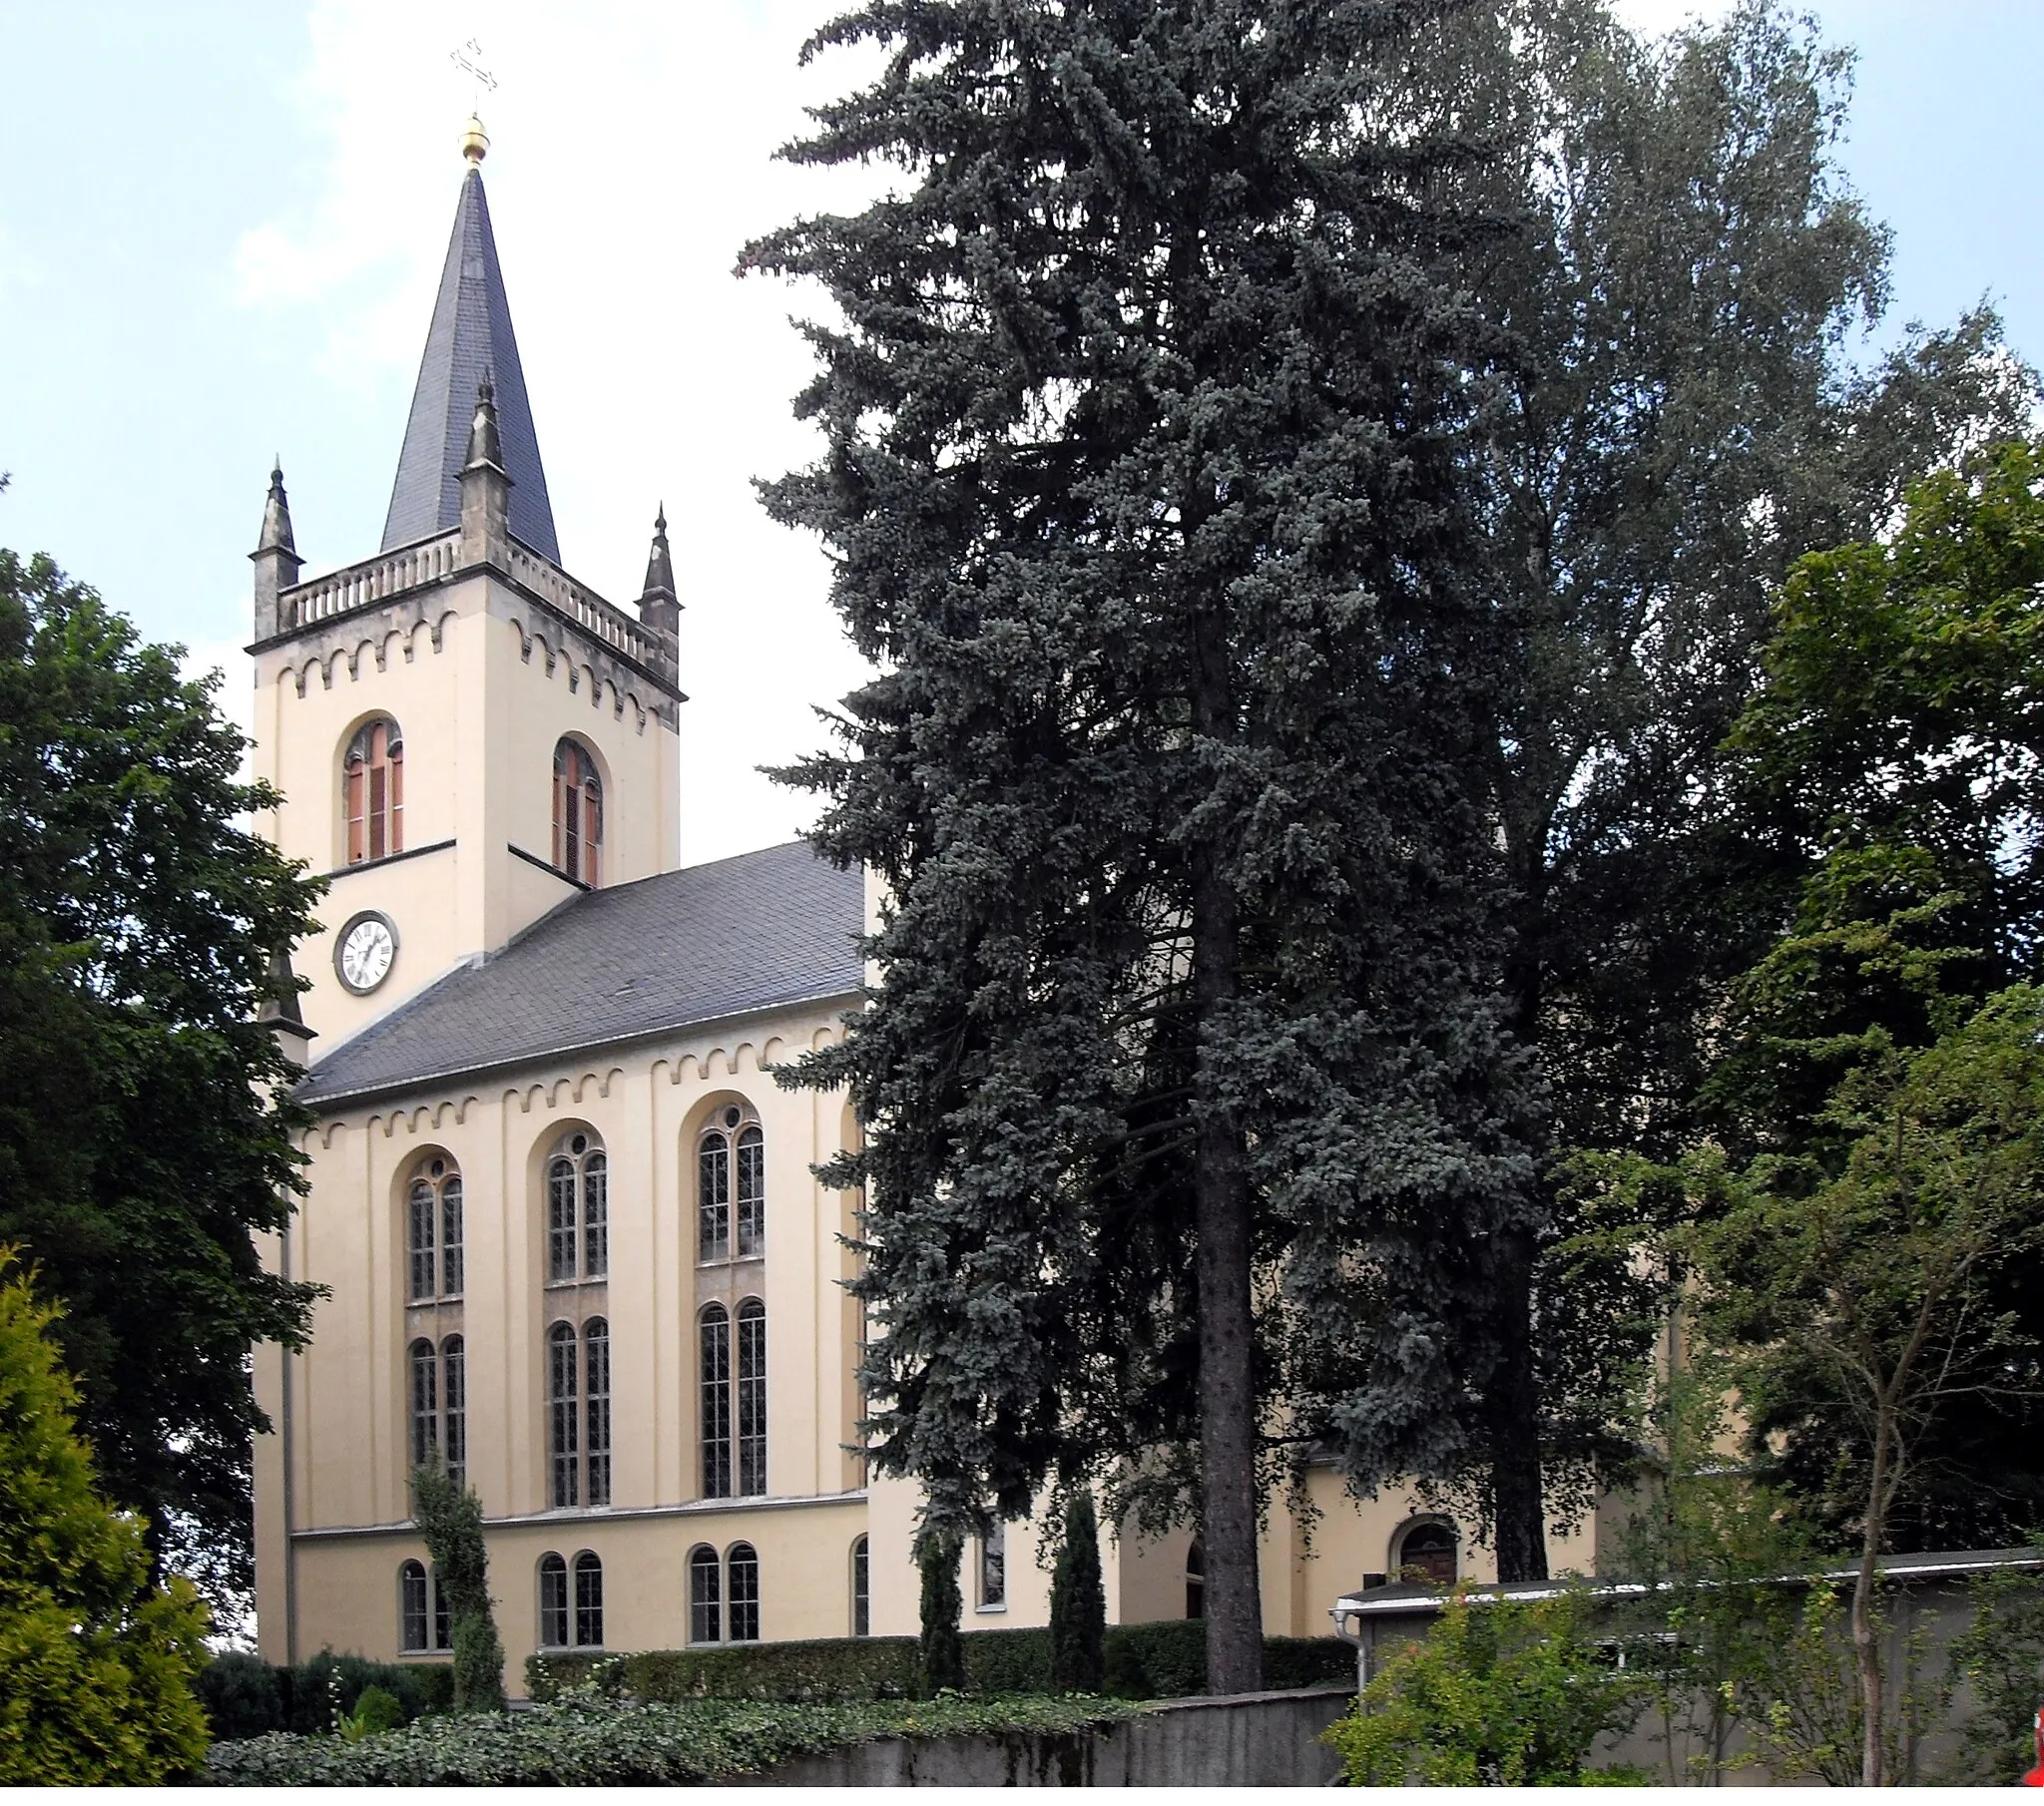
[221, 226]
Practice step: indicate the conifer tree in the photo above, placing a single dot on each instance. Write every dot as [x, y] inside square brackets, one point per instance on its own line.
[1142, 480]
[1077, 1603]
[450, 1519]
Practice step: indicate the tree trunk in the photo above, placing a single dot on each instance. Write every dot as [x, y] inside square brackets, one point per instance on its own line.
[1519, 1521]
[1512, 1398]
[1228, 1400]
[1228, 1394]
[1865, 1633]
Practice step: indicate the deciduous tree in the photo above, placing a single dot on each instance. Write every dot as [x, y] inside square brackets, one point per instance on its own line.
[145, 1128]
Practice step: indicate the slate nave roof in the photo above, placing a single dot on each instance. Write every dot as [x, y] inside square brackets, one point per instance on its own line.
[779, 926]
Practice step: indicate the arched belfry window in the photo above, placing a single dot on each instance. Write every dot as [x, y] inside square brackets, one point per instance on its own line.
[730, 1188]
[578, 1209]
[578, 813]
[433, 1230]
[372, 791]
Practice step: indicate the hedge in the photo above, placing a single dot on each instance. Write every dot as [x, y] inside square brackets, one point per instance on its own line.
[244, 1696]
[590, 1742]
[1162, 1661]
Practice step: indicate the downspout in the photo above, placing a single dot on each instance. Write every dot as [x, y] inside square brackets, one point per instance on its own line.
[290, 1543]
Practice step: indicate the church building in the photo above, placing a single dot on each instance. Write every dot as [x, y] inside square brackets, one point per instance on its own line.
[568, 1224]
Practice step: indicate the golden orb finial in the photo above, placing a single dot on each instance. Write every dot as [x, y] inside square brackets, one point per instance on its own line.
[475, 142]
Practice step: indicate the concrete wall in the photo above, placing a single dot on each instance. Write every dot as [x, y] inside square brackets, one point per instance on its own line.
[1253, 1740]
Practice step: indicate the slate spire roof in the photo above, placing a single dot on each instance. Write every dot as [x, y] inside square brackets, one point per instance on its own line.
[470, 339]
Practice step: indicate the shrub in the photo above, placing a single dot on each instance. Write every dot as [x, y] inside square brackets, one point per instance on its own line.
[450, 1519]
[1504, 1693]
[375, 1711]
[823, 1671]
[586, 1742]
[1142, 1661]
[327, 1683]
[96, 1663]
[943, 1663]
[1077, 1603]
[243, 1696]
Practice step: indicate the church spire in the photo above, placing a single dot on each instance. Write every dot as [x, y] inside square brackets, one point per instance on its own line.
[275, 557]
[471, 338]
[660, 608]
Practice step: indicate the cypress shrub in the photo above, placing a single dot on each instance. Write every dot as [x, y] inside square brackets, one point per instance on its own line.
[943, 1662]
[1077, 1603]
[450, 1519]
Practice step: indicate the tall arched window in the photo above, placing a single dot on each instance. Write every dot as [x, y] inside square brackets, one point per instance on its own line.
[439, 1406]
[578, 813]
[454, 1408]
[751, 1426]
[372, 791]
[577, 1210]
[705, 1597]
[713, 1198]
[414, 1606]
[1195, 1580]
[425, 1403]
[741, 1568]
[433, 1230]
[596, 1401]
[751, 1191]
[861, 1589]
[553, 1603]
[731, 1193]
[563, 1440]
[716, 1390]
[588, 1600]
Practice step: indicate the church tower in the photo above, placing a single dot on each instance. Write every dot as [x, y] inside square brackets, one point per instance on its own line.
[465, 736]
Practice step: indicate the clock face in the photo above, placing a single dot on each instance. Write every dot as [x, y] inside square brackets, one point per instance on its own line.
[363, 953]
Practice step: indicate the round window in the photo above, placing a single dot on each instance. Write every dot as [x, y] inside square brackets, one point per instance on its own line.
[731, 1116]
[580, 1145]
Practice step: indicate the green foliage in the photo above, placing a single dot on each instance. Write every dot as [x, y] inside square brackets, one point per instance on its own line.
[145, 1128]
[1077, 1603]
[598, 1744]
[450, 1519]
[1889, 765]
[829, 1670]
[375, 1711]
[1503, 1694]
[1710, 1548]
[1999, 1660]
[940, 1657]
[1142, 415]
[327, 1684]
[96, 1663]
[1681, 420]
[243, 1696]
[1162, 1661]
